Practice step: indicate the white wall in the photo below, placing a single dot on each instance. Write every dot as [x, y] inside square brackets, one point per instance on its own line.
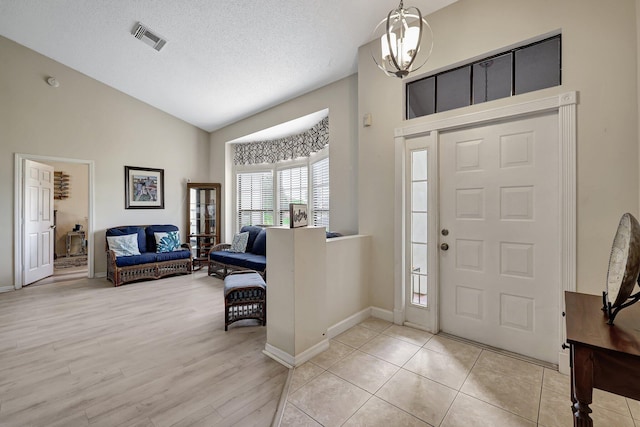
[85, 119]
[341, 100]
[598, 60]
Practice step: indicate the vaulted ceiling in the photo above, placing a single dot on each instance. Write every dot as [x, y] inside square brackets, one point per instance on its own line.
[223, 61]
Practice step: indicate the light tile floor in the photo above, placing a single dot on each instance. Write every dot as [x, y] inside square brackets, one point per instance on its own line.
[380, 374]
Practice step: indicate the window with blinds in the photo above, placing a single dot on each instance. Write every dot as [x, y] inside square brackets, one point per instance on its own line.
[320, 192]
[254, 196]
[293, 187]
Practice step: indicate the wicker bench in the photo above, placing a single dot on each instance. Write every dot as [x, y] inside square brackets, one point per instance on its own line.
[148, 264]
[245, 297]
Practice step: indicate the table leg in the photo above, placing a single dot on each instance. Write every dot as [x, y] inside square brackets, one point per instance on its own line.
[573, 396]
[581, 386]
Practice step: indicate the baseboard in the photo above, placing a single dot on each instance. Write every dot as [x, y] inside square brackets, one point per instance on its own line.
[278, 355]
[7, 288]
[349, 322]
[563, 363]
[383, 314]
[290, 361]
[398, 317]
[100, 275]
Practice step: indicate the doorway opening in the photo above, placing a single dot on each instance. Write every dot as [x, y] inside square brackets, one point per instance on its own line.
[73, 219]
[467, 202]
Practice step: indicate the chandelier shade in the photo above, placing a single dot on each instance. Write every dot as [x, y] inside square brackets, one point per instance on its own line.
[405, 42]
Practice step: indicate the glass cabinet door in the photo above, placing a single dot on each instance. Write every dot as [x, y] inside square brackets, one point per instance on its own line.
[203, 213]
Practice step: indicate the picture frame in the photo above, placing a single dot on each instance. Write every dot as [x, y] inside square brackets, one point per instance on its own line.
[143, 188]
[298, 216]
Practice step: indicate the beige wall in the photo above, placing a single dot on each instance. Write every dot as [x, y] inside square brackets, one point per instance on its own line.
[598, 60]
[348, 277]
[341, 100]
[84, 119]
[74, 209]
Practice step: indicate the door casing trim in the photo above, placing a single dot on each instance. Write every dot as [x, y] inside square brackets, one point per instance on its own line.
[18, 204]
[565, 104]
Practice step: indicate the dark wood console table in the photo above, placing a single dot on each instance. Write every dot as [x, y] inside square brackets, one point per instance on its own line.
[602, 356]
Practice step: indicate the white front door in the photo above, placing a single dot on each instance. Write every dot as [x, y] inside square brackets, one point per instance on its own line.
[38, 221]
[500, 217]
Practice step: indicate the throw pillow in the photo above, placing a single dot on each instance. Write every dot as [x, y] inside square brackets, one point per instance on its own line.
[239, 243]
[167, 241]
[125, 245]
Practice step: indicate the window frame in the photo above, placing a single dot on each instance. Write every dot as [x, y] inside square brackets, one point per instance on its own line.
[274, 168]
[259, 169]
[312, 187]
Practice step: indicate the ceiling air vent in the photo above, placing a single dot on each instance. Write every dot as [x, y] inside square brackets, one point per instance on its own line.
[149, 37]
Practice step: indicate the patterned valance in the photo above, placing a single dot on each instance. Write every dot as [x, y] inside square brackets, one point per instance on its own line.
[291, 147]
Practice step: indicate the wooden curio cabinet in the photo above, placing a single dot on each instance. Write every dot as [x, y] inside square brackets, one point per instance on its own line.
[203, 216]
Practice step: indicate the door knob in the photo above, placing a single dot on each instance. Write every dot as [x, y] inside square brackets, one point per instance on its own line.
[444, 247]
[445, 232]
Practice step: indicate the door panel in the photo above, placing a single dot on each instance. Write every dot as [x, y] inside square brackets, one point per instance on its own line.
[500, 278]
[38, 212]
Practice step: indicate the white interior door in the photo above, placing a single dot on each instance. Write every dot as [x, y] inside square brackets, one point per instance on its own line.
[38, 221]
[421, 233]
[500, 277]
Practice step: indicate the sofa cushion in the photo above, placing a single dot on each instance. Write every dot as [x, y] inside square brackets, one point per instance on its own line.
[239, 243]
[167, 242]
[253, 231]
[245, 260]
[170, 256]
[260, 244]
[152, 229]
[125, 245]
[143, 258]
[121, 231]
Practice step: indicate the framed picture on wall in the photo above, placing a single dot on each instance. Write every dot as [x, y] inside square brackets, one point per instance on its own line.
[297, 215]
[143, 188]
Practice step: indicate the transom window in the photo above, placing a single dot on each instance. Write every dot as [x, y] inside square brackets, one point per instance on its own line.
[523, 69]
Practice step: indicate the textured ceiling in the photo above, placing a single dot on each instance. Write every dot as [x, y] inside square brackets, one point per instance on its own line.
[223, 61]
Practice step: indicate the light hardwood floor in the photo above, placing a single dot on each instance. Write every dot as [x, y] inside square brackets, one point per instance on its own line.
[154, 353]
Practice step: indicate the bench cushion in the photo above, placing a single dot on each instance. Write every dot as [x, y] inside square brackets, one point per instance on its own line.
[244, 280]
[170, 256]
[143, 258]
[244, 260]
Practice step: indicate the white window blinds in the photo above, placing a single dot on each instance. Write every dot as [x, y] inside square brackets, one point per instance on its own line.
[254, 196]
[320, 192]
[293, 188]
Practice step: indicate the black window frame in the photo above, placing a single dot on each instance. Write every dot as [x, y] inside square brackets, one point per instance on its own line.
[470, 65]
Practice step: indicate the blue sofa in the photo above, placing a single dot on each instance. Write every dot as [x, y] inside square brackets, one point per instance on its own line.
[222, 262]
[149, 264]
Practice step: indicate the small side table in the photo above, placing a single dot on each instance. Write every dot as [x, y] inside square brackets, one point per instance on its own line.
[602, 356]
[83, 242]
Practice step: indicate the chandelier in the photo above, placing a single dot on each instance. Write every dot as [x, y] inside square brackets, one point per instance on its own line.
[401, 42]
